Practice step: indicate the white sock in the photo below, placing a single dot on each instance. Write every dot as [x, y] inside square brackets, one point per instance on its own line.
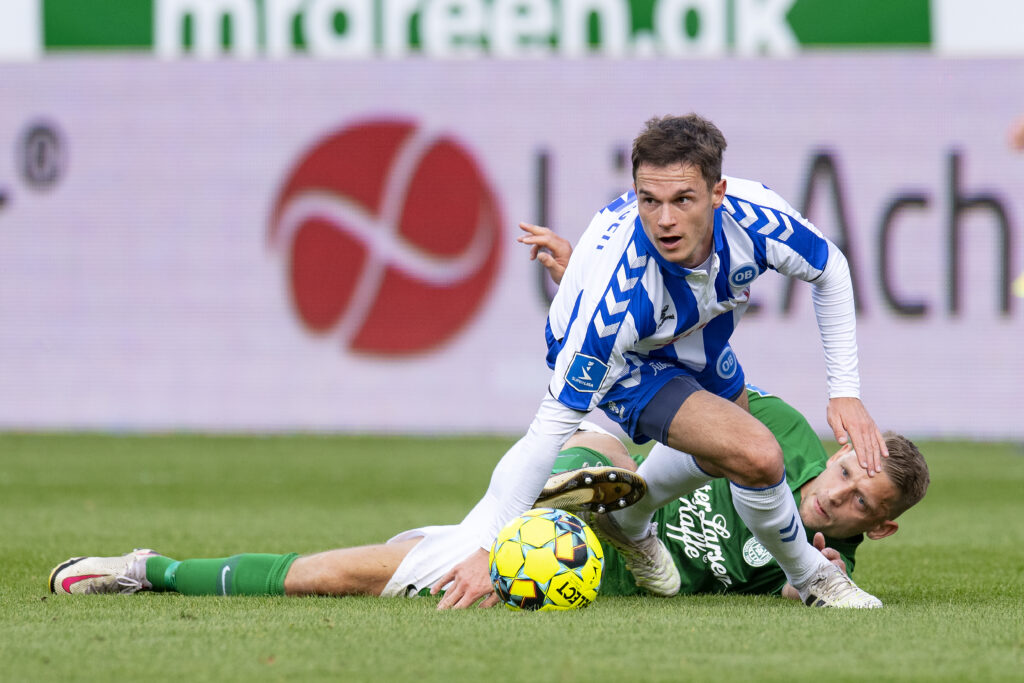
[669, 474]
[772, 515]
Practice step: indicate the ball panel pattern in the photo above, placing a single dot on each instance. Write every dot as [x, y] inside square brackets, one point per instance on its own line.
[545, 559]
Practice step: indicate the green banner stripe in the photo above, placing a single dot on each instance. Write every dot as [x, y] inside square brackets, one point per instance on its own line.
[861, 22]
[118, 24]
[128, 24]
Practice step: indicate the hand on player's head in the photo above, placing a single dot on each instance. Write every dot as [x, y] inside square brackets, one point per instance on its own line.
[852, 425]
[844, 501]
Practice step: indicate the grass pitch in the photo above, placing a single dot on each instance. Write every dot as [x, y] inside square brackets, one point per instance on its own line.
[951, 578]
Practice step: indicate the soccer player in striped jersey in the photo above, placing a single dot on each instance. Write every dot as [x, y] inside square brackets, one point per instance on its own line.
[640, 328]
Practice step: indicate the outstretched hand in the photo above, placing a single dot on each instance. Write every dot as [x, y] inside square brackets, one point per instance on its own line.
[469, 581]
[831, 554]
[552, 251]
[852, 424]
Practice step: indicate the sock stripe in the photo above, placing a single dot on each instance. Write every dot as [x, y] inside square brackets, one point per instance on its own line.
[760, 488]
[697, 465]
[790, 532]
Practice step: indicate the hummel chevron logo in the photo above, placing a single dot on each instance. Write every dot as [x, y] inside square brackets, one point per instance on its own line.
[789, 533]
[602, 329]
[750, 218]
[769, 227]
[765, 220]
[625, 283]
[788, 231]
[613, 305]
[773, 223]
[634, 260]
[633, 263]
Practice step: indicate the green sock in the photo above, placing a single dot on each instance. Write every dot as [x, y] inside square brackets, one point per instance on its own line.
[250, 574]
[579, 456]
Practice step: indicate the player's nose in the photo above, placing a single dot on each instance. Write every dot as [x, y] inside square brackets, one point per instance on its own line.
[665, 217]
[839, 493]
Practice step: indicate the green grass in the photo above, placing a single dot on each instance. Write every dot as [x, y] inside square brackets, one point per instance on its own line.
[951, 578]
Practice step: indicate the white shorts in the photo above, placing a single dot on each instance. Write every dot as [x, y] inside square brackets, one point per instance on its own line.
[442, 548]
[588, 426]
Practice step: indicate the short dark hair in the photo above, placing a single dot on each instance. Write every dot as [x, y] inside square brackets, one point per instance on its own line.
[689, 139]
[907, 470]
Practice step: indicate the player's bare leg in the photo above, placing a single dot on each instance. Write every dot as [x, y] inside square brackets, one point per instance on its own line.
[364, 570]
[726, 440]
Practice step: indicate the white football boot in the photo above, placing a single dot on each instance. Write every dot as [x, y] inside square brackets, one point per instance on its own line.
[831, 587]
[647, 558]
[86, 575]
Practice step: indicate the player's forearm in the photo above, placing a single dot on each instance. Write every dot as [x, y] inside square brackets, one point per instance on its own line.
[521, 474]
[837, 324]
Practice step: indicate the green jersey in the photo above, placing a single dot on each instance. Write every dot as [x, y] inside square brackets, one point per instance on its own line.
[713, 548]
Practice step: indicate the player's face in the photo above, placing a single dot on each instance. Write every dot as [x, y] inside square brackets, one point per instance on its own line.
[677, 210]
[843, 500]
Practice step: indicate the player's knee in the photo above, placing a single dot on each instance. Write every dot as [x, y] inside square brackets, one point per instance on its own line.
[763, 465]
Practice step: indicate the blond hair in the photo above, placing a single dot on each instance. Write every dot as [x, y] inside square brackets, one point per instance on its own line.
[907, 470]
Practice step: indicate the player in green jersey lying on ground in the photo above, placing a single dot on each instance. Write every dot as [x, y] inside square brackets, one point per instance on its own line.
[838, 502]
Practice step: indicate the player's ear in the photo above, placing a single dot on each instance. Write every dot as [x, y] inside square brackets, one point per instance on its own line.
[886, 528]
[718, 193]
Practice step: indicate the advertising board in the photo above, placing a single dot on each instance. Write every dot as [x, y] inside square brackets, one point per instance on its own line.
[331, 245]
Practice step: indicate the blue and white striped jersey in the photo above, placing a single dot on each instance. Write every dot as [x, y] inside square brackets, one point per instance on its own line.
[621, 304]
[624, 320]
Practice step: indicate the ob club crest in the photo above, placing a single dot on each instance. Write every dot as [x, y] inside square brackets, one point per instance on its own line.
[741, 277]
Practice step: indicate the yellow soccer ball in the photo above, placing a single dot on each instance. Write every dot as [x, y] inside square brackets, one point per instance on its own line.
[546, 559]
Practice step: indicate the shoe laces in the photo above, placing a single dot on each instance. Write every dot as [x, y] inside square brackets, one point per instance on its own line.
[837, 587]
[127, 584]
[834, 586]
[127, 581]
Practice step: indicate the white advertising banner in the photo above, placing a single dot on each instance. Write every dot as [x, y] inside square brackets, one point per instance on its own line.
[331, 246]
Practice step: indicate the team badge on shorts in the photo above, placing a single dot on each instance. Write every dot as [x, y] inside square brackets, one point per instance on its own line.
[727, 364]
[585, 373]
[755, 554]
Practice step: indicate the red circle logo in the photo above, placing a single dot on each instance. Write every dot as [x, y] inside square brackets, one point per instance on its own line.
[392, 237]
